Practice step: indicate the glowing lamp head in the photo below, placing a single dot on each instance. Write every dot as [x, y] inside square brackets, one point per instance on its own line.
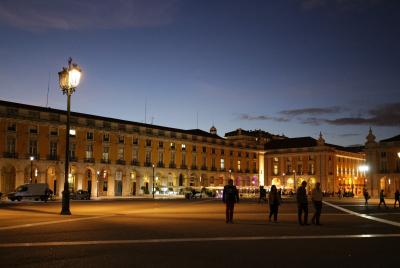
[398, 154]
[32, 158]
[70, 77]
[363, 168]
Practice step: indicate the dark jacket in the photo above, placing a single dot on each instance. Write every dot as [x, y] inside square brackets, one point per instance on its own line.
[230, 194]
[274, 198]
[301, 195]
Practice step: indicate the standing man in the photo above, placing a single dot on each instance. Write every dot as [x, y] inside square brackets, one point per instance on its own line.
[366, 197]
[382, 199]
[396, 198]
[263, 195]
[316, 197]
[302, 203]
[230, 196]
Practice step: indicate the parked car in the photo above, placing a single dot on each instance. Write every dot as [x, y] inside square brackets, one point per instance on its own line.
[80, 195]
[34, 191]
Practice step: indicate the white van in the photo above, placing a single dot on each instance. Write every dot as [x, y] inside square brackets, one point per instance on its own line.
[32, 191]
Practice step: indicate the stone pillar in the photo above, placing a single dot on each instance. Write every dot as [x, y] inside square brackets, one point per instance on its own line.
[60, 184]
[111, 185]
[19, 177]
[95, 183]
[79, 183]
[261, 173]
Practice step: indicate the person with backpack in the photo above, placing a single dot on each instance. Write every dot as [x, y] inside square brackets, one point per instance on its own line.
[366, 197]
[396, 198]
[382, 199]
[230, 196]
[263, 195]
[274, 200]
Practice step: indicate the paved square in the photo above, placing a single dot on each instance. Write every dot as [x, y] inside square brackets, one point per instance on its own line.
[162, 233]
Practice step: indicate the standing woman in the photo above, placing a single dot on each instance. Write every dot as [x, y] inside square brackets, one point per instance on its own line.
[274, 200]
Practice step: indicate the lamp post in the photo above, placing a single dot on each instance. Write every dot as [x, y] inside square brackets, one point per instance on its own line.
[230, 174]
[283, 180]
[153, 180]
[294, 181]
[31, 158]
[69, 79]
[364, 169]
[97, 183]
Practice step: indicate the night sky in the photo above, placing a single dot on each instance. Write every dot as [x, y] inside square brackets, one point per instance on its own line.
[295, 67]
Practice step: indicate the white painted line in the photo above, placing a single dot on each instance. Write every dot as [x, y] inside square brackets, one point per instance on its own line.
[28, 225]
[51, 222]
[397, 224]
[185, 240]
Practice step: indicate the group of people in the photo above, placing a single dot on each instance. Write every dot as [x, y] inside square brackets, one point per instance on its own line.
[230, 196]
[382, 198]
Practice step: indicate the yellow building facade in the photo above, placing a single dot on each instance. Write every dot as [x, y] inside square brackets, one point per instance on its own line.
[288, 162]
[112, 157]
[383, 159]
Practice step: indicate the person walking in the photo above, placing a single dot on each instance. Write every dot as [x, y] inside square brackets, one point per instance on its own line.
[263, 195]
[382, 199]
[366, 197]
[302, 203]
[316, 198]
[230, 196]
[396, 198]
[274, 200]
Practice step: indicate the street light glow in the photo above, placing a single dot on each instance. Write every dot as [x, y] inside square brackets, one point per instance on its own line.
[363, 168]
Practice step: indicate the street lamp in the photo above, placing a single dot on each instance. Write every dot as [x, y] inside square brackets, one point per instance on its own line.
[294, 181]
[153, 180]
[230, 174]
[97, 183]
[69, 79]
[31, 158]
[364, 169]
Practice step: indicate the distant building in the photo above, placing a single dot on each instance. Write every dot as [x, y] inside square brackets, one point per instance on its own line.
[256, 137]
[112, 157]
[290, 161]
[383, 160]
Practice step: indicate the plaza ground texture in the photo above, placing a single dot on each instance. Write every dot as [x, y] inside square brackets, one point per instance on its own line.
[193, 233]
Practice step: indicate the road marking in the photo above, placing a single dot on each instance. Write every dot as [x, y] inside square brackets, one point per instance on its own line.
[51, 222]
[90, 218]
[195, 239]
[397, 224]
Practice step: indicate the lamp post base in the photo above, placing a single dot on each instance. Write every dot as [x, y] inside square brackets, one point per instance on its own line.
[65, 204]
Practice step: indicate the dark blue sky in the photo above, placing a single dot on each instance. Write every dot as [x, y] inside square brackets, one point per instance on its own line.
[296, 67]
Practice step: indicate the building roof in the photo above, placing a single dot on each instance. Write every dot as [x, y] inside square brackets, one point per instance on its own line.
[253, 133]
[198, 132]
[300, 142]
[306, 142]
[395, 138]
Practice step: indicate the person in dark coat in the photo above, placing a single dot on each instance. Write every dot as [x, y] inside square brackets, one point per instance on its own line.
[230, 196]
[366, 196]
[396, 198]
[274, 200]
[316, 198]
[263, 195]
[382, 199]
[302, 203]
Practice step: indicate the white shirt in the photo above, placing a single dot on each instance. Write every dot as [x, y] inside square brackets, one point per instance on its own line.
[316, 195]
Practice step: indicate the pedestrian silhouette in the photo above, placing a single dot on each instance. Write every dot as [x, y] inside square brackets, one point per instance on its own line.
[366, 196]
[396, 198]
[302, 203]
[230, 196]
[316, 197]
[263, 195]
[382, 199]
[274, 200]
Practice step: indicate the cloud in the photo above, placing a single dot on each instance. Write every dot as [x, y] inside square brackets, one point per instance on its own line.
[312, 111]
[342, 5]
[345, 135]
[385, 115]
[41, 15]
[262, 117]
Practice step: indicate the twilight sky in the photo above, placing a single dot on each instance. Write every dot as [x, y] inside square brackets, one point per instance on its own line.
[295, 67]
